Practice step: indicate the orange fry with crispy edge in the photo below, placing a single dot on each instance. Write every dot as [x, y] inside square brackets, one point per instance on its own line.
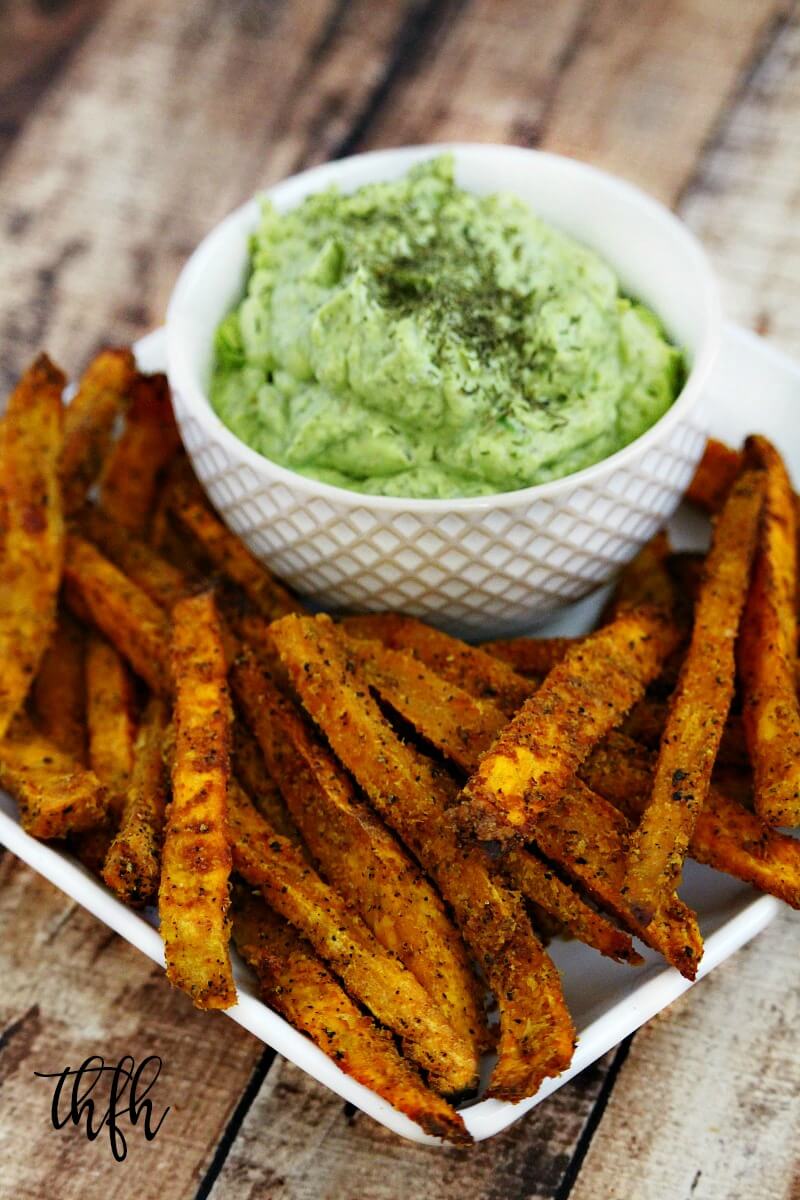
[768, 648]
[531, 656]
[359, 856]
[462, 728]
[699, 705]
[145, 446]
[138, 629]
[369, 972]
[31, 530]
[193, 897]
[56, 795]
[110, 719]
[582, 698]
[230, 556]
[468, 667]
[133, 863]
[59, 693]
[713, 478]
[539, 882]
[727, 836]
[89, 422]
[251, 771]
[298, 985]
[164, 583]
[411, 794]
[645, 582]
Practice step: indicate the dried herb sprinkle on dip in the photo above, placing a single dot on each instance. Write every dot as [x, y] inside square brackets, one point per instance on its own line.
[414, 339]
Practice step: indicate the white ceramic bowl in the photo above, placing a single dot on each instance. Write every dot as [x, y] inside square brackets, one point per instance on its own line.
[481, 566]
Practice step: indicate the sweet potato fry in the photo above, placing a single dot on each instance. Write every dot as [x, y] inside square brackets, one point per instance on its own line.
[59, 693]
[157, 578]
[726, 836]
[89, 422]
[539, 882]
[251, 771]
[133, 863]
[530, 656]
[768, 649]
[145, 446]
[118, 608]
[581, 699]
[231, 557]
[468, 667]
[587, 836]
[56, 795]
[31, 530]
[411, 794]
[646, 722]
[295, 982]
[699, 705]
[645, 582]
[369, 972]
[360, 857]
[110, 719]
[713, 478]
[457, 724]
[193, 897]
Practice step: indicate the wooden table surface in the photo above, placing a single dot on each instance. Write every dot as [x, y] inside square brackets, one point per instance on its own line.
[127, 129]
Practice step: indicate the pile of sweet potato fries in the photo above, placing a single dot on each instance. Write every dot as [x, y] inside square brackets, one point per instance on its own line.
[389, 822]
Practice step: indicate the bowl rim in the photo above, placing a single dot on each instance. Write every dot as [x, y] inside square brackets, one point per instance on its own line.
[182, 374]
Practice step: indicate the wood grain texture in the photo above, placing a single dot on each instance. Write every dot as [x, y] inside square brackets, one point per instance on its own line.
[71, 988]
[707, 1104]
[744, 201]
[299, 1142]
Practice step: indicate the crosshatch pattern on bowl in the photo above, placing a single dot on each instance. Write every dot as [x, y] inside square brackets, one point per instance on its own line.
[482, 569]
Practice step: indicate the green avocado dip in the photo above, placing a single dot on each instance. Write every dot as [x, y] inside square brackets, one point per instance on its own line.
[414, 339]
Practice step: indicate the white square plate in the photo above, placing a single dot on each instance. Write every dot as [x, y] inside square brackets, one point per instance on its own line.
[754, 388]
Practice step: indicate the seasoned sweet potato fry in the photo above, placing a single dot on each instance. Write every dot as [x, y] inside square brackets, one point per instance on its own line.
[145, 446]
[110, 719]
[56, 795]
[468, 667]
[457, 724]
[123, 612]
[157, 578]
[530, 656]
[646, 722]
[295, 982]
[726, 836]
[699, 705]
[359, 856]
[768, 648]
[581, 699]
[89, 422]
[231, 557]
[251, 771]
[31, 530]
[718, 468]
[369, 972]
[539, 882]
[587, 836]
[133, 862]
[59, 694]
[536, 1033]
[193, 897]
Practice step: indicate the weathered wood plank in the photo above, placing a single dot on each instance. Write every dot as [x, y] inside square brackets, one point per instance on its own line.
[633, 88]
[168, 117]
[38, 41]
[707, 1104]
[71, 988]
[745, 202]
[298, 1142]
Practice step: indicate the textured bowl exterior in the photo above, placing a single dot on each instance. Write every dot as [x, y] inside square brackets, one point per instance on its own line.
[479, 567]
[485, 571]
